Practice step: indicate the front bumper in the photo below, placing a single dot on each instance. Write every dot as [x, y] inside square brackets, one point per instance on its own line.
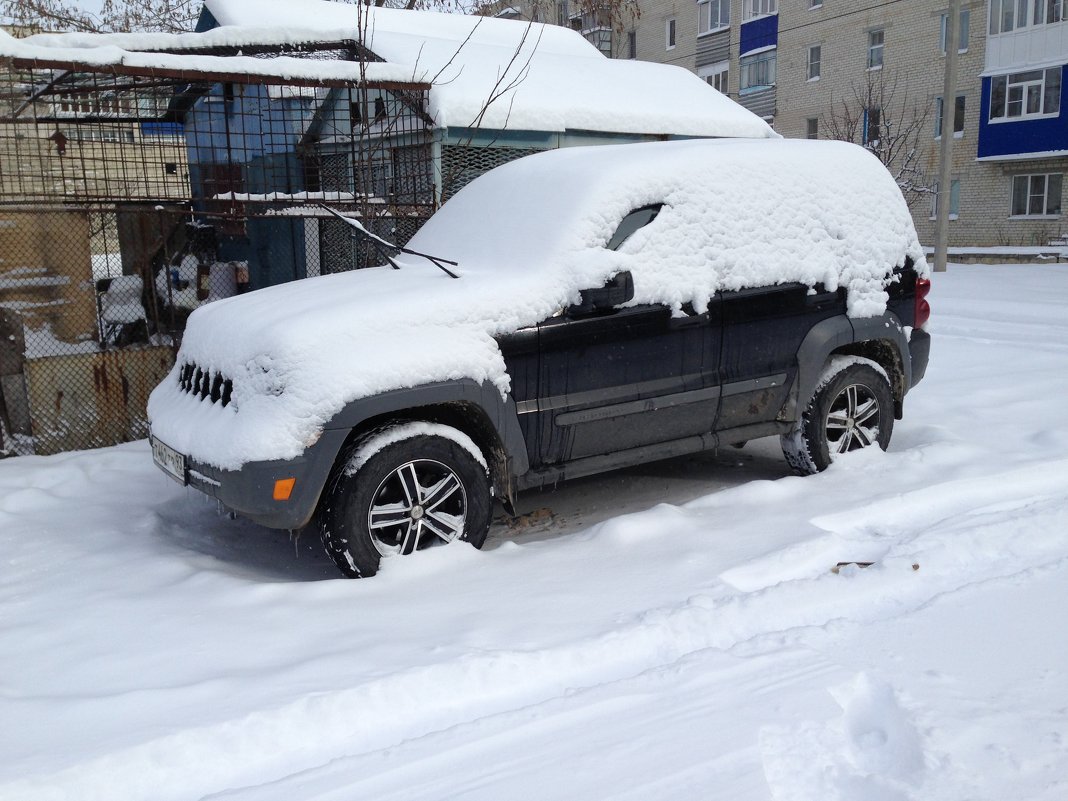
[249, 491]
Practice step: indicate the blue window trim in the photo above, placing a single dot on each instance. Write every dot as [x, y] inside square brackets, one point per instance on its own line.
[1011, 137]
[758, 33]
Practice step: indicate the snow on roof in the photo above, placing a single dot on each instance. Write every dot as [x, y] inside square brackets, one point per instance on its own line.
[137, 51]
[563, 82]
[736, 214]
[542, 77]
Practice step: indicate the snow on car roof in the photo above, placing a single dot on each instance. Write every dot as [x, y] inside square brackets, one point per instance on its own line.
[529, 236]
[561, 81]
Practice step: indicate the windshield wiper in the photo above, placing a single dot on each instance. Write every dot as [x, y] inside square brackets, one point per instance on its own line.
[381, 244]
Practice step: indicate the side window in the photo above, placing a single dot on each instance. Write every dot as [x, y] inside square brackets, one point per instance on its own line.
[639, 218]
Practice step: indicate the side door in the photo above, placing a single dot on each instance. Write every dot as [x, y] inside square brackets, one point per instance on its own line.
[610, 381]
[762, 332]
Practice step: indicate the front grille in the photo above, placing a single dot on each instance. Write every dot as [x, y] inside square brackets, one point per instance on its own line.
[205, 384]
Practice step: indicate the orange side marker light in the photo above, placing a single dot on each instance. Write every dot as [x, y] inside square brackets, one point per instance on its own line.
[283, 488]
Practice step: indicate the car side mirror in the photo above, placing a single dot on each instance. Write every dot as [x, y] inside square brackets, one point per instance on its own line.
[617, 290]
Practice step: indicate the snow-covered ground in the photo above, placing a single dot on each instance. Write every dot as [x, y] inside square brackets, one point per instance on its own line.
[607, 646]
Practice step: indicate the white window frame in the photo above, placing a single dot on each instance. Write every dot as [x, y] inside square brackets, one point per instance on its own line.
[670, 33]
[759, 8]
[962, 101]
[810, 62]
[1030, 195]
[1023, 14]
[601, 38]
[963, 31]
[876, 47]
[706, 9]
[954, 199]
[1026, 82]
[763, 62]
[716, 75]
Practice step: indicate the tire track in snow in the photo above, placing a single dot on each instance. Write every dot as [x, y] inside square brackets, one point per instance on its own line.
[410, 704]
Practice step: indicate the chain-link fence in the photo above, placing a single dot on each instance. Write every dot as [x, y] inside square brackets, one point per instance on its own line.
[93, 302]
[131, 196]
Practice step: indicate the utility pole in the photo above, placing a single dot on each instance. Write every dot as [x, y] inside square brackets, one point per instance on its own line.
[945, 151]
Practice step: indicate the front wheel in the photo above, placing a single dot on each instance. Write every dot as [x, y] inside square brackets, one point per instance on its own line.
[402, 489]
[852, 408]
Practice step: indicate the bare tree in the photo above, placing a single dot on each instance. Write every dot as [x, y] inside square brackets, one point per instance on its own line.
[171, 16]
[880, 115]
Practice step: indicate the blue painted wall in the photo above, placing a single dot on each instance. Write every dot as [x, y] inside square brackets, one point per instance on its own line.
[758, 33]
[258, 135]
[1022, 136]
[244, 126]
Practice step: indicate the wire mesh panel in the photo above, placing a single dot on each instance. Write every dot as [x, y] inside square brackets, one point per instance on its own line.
[130, 197]
[81, 343]
[461, 164]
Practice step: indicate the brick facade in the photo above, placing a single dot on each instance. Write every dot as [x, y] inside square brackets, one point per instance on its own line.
[912, 58]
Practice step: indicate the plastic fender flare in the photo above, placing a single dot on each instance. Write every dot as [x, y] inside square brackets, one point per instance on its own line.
[500, 411]
[886, 327]
[821, 340]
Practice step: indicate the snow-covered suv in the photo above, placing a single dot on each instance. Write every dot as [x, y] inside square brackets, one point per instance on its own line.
[599, 307]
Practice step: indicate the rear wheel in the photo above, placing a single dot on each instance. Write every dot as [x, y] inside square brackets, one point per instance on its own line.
[403, 489]
[852, 408]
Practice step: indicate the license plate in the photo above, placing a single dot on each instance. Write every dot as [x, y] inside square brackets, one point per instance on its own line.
[169, 460]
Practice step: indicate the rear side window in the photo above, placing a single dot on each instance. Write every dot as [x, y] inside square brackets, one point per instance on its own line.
[639, 218]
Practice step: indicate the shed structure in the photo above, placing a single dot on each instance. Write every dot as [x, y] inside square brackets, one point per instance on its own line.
[192, 166]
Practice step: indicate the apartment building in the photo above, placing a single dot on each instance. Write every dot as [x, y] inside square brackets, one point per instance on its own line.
[871, 71]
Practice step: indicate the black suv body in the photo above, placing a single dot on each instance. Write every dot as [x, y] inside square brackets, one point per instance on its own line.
[603, 383]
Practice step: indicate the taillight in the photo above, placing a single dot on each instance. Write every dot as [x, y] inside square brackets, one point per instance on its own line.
[923, 308]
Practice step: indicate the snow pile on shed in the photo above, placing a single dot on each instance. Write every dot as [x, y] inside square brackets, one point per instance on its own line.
[548, 77]
[529, 236]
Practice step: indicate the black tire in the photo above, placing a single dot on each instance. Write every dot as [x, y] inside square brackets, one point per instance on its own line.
[454, 501]
[852, 408]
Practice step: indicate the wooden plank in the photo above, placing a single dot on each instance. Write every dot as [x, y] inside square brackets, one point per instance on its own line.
[201, 76]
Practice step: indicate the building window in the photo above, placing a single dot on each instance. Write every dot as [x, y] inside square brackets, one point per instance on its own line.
[813, 69]
[1025, 94]
[1036, 195]
[812, 128]
[713, 15]
[1007, 15]
[1002, 16]
[715, 75]
[963, 30]
[757, 72]
[954, 199]
[760, 8]
[669, 34]
[873, 120]
[601, 38]
[815, 4]
[632, 44]
[876, 40]
[958, 117]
